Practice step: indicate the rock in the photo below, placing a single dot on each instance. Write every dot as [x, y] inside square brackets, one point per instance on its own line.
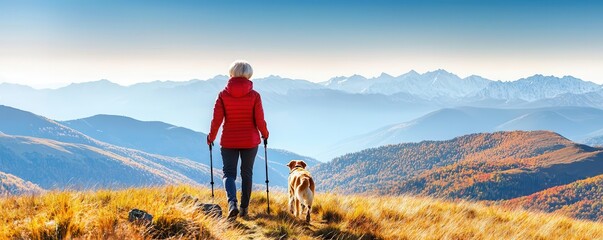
[140, 217]
[213, 210]
[210, 209]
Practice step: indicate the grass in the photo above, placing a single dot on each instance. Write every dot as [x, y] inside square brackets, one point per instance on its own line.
[103, 215]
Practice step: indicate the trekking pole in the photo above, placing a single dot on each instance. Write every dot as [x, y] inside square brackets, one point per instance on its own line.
[211, 170]
[266, 160]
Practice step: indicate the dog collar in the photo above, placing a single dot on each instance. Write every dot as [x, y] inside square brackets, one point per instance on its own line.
[295, 168]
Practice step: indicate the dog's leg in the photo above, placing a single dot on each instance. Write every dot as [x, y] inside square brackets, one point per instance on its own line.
[297, 207]
[302, 209]
[308, 214]
[309, 200]
[291, 202]
[306, 209]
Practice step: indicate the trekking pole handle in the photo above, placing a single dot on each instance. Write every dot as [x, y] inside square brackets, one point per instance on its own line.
[265, 141]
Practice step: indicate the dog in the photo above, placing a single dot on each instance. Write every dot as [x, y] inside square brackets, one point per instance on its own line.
[301, 189]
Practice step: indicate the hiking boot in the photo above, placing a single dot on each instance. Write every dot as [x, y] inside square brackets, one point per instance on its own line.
[233, 211]
[243, 212]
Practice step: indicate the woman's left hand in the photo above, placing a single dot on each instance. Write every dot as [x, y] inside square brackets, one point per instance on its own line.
[209, 142]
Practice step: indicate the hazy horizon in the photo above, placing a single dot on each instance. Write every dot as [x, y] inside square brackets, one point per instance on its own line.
[61, 85]
[49, 44]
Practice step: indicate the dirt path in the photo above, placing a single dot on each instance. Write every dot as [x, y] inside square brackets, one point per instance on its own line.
[262, 226]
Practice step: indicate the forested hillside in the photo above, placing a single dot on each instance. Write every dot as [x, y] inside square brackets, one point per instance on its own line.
[500, 165]
[582, 199]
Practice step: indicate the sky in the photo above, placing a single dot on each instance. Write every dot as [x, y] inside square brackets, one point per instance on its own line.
[53, 43]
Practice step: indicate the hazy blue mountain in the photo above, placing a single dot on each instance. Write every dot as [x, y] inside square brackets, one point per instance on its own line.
[18, 122]
[158, 84]
[74, 148]
[11, 87]
[576, 123]
[52, 164]
[169, 140]
[291, 107]
[589, 99]
[149, 136]
[303, 115]
[352, 84]
[13, 185]
[87, 88]
[280, 85]
[307, 120]
[170, 148]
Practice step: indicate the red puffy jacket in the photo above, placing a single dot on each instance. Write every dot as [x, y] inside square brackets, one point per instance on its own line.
[240, 107]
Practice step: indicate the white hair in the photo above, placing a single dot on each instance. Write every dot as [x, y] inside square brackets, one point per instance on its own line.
[241, 68]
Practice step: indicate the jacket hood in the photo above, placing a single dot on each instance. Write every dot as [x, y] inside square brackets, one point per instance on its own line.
[238, 86]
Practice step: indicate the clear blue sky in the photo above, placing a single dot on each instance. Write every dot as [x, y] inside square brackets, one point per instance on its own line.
[46, 43]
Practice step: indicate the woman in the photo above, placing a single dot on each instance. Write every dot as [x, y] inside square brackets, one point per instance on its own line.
[240, 107]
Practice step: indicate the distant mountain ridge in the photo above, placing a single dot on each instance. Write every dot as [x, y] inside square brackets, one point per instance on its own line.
[538, 87]
[576, 123]
[441, 83]
[302, 114]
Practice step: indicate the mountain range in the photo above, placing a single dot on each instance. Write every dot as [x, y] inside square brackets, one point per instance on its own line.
[130, 152]
[443, 84]
[302, 114]
[580, 124]
[439, 83]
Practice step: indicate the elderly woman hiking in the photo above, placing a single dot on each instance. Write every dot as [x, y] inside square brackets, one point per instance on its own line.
[240, 107]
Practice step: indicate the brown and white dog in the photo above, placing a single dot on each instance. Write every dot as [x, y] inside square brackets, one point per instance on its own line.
[301, 189]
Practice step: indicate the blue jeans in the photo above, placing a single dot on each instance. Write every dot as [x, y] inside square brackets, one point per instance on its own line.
[230, 158]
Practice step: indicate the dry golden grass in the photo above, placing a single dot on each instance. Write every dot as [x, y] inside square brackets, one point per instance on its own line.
[103, 215]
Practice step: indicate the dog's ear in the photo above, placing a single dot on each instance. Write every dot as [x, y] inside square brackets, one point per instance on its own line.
[303, 164]
[291, 164]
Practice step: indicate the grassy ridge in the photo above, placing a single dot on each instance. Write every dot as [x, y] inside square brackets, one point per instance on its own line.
[103, 215]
